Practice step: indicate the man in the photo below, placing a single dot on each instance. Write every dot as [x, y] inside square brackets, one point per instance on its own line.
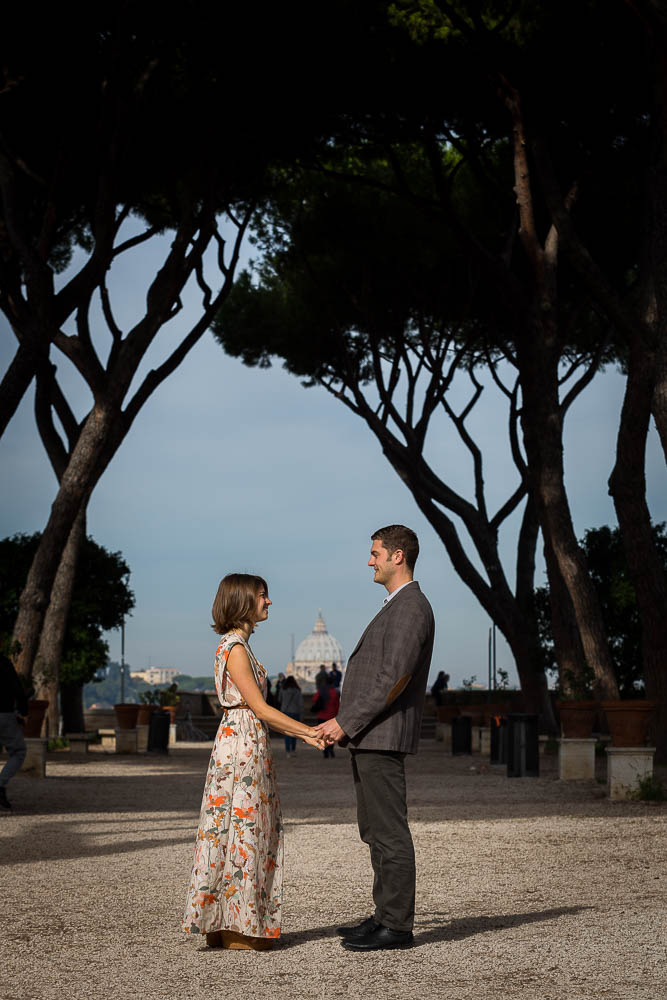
[321, 677]
[13, 707]
[335, 676]
[380, 720]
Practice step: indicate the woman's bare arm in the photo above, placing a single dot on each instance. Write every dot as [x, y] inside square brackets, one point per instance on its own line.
[240, 671]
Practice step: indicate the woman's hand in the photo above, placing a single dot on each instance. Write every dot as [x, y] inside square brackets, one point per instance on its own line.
[314, 741]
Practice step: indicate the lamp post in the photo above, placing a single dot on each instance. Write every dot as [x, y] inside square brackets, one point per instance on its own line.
[492, 658]
[122, 662]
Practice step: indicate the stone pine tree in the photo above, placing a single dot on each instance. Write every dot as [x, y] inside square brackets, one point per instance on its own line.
[366, 296]
[573, 141]
[118, 132]
[590, 182]
[101, 598]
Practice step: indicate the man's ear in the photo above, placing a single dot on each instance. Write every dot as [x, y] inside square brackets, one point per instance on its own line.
[399, 557]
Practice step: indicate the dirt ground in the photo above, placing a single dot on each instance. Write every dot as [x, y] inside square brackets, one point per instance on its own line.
[527, 888]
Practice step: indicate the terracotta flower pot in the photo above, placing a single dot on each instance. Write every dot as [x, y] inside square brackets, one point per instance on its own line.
[144, 714]
[36, 711]
[629, 721]
[172, 709]
[126, 716]
[577, 718]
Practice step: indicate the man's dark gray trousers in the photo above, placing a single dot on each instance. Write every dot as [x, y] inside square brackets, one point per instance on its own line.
[382, 815]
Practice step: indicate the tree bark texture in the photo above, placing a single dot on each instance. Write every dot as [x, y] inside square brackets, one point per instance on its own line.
[627, 486]
[85, 466]
[657, 224]
[572, 667]
[542, 431]
[14, 384]
[46, 670]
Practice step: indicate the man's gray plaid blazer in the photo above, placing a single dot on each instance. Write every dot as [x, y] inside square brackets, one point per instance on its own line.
[382, 700]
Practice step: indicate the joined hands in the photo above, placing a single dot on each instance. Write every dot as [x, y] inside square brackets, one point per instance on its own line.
[324, 734]
[330, 731]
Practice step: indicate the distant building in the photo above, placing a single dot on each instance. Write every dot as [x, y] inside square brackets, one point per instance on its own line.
[316, 649]
[156, 675]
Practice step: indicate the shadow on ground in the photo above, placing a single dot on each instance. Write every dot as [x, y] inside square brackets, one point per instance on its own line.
[441, 927]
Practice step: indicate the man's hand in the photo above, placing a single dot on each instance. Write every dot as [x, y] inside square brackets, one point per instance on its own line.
[330, 731]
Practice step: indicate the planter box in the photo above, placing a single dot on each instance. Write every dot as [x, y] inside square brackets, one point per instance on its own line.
[626, 766]
[576, 759]
[126, 741]
[34, 765]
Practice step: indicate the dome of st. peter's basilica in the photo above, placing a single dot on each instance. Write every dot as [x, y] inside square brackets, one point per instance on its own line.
[316, 649]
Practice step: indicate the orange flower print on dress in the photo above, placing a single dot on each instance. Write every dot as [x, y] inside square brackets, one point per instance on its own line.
[236, 880]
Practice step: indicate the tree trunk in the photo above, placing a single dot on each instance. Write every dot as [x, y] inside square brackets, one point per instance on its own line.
[627, 485]
[526, 648]
[530, 668]
[71, 701]
[14, 383]
[537, 356]
[85, 466]
[46, 672]
[572, 667]
[660, 392]
[657, 225]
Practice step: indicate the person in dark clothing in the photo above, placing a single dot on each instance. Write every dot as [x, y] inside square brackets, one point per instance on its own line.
[13, 709]
[440, 686]
[291, 703]
[325, 705]
[335, 676]
[321, 677]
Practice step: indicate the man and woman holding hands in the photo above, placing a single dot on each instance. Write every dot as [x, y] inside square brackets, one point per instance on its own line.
[234, 895]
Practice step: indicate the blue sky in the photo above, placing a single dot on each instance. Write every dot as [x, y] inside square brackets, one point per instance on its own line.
[232, 469]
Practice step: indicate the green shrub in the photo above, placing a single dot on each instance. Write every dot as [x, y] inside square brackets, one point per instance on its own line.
[650, 789]
[58, 743]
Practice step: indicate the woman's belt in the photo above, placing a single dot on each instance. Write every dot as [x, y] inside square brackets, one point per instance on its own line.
[228, 708]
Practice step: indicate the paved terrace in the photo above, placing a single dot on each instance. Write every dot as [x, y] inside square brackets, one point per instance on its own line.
[527, 888]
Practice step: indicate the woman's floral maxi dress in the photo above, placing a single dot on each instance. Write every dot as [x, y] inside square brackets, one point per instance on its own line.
[236, 881]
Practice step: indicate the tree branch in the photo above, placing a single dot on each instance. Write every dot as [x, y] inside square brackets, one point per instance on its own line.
[134, 241]
[155, 377]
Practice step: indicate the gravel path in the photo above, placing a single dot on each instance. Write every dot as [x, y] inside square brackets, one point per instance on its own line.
[527, 888]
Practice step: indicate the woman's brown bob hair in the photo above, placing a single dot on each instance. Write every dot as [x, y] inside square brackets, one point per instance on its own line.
[236, 600]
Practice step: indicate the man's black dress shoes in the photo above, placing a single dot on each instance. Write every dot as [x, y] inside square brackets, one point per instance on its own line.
[359, 930]
[376, 940]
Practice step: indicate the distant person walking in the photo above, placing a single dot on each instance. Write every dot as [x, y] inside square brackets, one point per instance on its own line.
[439, 687]
[13, 711]
[291, 703]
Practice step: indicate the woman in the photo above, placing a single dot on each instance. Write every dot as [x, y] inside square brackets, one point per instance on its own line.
[291, 703]
[235, 890]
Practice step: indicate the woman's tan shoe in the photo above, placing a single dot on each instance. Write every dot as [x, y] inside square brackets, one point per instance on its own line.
[214, 940]
[241, 942]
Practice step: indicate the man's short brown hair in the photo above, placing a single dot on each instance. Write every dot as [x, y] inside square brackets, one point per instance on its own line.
[236, 601]
[397, 536]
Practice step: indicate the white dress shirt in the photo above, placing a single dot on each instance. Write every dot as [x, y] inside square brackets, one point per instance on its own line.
[394, 592]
